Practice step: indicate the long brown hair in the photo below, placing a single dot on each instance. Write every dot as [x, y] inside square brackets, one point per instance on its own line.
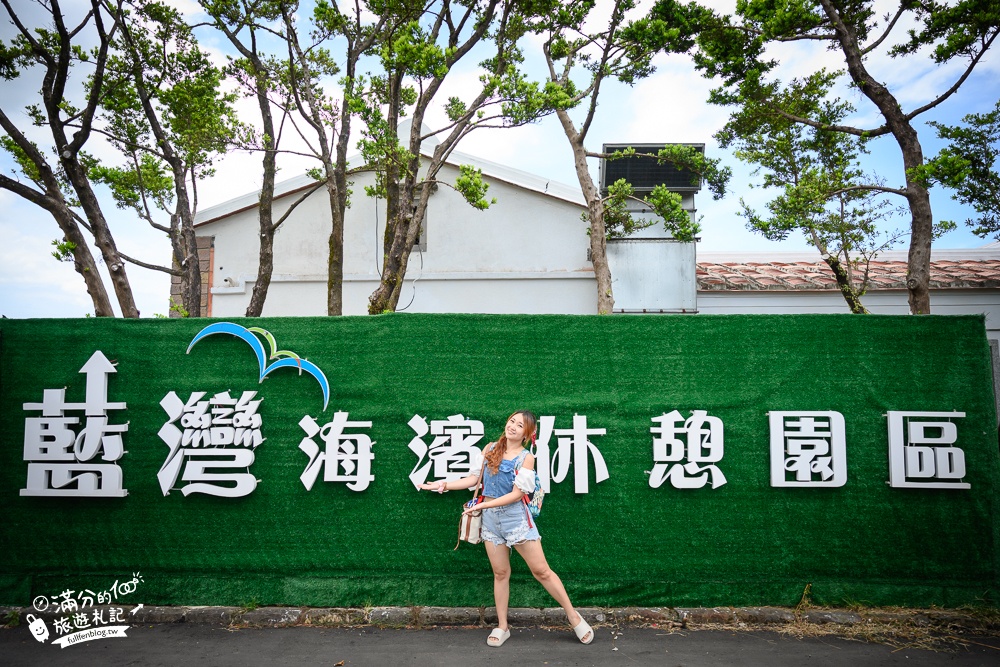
[496, 452]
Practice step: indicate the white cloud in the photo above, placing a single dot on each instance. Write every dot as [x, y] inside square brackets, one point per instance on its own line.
[669, 106]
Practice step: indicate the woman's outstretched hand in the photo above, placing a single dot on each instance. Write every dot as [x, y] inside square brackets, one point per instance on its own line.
[440, 487]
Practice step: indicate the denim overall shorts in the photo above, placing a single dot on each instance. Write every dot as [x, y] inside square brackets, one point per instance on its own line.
[508, 524]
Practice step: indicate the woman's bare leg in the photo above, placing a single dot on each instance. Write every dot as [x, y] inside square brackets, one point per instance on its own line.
[531, 552]
[500, 562]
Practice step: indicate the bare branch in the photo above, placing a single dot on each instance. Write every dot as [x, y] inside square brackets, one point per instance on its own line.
[965, 75]
[22, 190]
[35, 46]
[902, 192]
[847, 129]
[874, 45]
[152, 267]
[82, 222]
[296, 203]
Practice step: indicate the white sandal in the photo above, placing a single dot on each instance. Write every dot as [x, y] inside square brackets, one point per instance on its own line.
[581, 630]
[498, 637]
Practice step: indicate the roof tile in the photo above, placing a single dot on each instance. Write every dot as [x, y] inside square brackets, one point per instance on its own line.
[945, 274]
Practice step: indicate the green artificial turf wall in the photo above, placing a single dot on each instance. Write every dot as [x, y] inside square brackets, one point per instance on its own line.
[622, 543]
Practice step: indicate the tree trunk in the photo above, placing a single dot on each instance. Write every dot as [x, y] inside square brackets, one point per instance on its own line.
[102, 235]
[393, 270]
[338, 197]
[184, 244]
[191, 278]
[53, 202]
[397, 213]
[406, 229]
[335, 258]
[847, 288]
[385, 298]
[918, 268]
[265, 260]
[84, 264]
[918, 264]
[336, 187]
[595, 213]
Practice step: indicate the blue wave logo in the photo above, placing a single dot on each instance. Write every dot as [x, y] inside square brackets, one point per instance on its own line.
[281, 358]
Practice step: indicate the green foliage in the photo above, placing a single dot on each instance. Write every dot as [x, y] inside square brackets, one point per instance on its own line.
[455, 108]
[24, 163]
[252, 604]
[160, 71]
[471, 185]
[63, 250]
[329, 18]
[619, 47]
[820, 188]
[132, 184]
[618, 222]
[616, 50]
[523, 101]
[968, 165]
[667, 205]
[688, 158]
[823, 192]
[952, 29]
[662, 202]
[414, 51]
[14, 58]
[178, 308]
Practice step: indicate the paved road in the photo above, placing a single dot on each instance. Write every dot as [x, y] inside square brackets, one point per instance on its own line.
[198, 644]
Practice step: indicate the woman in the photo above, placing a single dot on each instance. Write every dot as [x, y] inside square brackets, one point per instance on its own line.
[508, 475]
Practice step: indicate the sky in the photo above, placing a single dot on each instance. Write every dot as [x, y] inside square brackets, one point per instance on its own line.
[669, 106]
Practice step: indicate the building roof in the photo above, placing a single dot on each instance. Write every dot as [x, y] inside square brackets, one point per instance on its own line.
[950, 269]
[516, 177]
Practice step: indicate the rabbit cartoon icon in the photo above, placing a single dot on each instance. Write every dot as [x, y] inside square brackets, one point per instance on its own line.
[39, 630]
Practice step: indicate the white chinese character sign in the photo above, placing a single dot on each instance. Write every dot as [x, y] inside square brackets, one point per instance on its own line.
[808, 448]
[686, 451]
[218, 434]
[573, 445]
[345, 457]
[451, 452]
[77, 455]
[922, 451]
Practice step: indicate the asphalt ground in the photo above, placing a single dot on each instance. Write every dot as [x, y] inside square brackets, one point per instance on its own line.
[203, 644]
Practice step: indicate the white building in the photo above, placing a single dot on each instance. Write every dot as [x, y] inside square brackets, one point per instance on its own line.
[525, 254]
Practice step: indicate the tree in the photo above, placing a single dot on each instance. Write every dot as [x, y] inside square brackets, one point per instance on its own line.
[330, 120]
[165, 113]
[968, 165]
[734, 50]
[424, 52]
[64, 186]
[243, 24]
[287, 83]
[823, 192]
[622, 51]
